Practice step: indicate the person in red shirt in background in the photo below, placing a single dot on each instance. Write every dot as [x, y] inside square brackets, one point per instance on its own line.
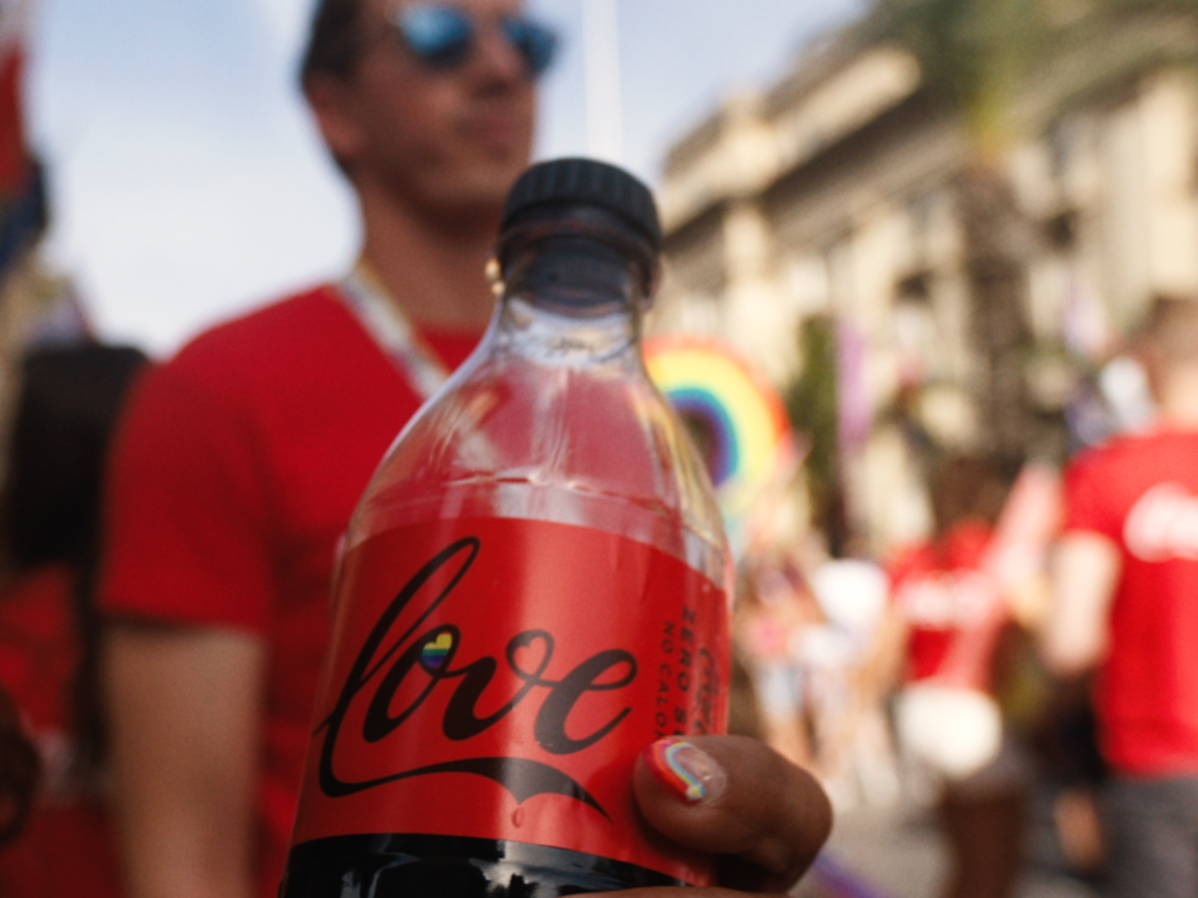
[1125, 603]
[49, 641]
[242, 458]
[953, 629]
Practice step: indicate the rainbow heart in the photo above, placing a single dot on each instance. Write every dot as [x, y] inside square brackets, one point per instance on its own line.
[434, 651]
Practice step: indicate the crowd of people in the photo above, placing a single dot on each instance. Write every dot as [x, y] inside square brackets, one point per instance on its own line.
[1039, 643]
[168, 535]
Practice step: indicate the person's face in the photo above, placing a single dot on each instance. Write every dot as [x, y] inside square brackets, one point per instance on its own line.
[449, 141]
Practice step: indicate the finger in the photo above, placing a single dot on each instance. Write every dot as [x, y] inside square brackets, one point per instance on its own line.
[735, 796]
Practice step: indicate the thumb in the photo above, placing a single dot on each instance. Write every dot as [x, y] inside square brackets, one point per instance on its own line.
[734, 796]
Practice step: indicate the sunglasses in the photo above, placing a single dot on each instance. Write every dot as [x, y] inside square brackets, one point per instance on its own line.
[442, 36]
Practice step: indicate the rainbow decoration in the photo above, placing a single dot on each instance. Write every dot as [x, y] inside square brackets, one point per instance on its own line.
[434, 652]
[737, 413]
[662, 758]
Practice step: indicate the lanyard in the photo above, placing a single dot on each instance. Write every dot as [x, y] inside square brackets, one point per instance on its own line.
[392, 331]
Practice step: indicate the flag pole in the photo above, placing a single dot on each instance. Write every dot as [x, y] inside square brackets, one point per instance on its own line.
[601, 43]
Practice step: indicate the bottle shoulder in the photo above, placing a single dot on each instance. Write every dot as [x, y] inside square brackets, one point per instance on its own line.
[592, 445]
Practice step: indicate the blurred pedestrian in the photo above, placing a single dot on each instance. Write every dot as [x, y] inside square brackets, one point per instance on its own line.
[1074, 773]
[774, 607]
[241, 458]
[1125, 584]
[69, 397]
[855, 750]
[950, 631]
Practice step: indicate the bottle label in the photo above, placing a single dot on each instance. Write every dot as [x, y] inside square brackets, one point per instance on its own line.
[497, 678]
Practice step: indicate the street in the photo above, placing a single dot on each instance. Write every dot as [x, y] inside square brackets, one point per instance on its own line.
[896, 852]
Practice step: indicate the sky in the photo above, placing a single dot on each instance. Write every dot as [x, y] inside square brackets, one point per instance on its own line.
[187, 181]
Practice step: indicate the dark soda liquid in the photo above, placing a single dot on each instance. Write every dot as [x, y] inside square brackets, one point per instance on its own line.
[420, 866]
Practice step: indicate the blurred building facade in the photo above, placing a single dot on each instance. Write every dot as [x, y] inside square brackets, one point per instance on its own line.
[831, 193]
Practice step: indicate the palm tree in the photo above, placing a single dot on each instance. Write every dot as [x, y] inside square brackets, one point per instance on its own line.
[1004, 68]
[977, 57]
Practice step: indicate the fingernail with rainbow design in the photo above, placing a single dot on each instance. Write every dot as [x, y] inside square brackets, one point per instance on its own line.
[687, 770]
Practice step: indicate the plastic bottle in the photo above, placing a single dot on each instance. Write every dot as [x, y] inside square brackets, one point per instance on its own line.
[534, 588]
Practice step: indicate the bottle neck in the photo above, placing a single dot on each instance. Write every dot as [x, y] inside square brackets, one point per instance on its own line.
[575, 275]
[572, 292]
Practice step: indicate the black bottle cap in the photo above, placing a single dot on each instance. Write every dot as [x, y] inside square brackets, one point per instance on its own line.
[586, 181]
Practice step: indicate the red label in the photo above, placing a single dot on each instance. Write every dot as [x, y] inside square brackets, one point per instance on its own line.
[497, 678]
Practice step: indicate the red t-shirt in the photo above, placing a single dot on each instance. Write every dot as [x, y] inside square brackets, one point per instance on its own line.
[952, 608]
[235, 473]
[68, 847]
[1141, 492]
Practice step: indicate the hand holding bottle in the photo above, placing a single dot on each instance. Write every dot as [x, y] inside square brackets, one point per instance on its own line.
[737, 798]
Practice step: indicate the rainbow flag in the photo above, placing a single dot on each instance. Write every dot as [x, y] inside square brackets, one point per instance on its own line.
[22, 195]
[735, 416]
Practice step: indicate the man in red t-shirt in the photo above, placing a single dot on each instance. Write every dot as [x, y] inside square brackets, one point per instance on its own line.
[1126, 585]
[241, 459]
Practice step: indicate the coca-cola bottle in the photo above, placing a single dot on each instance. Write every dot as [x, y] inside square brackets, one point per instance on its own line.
[534, 588]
